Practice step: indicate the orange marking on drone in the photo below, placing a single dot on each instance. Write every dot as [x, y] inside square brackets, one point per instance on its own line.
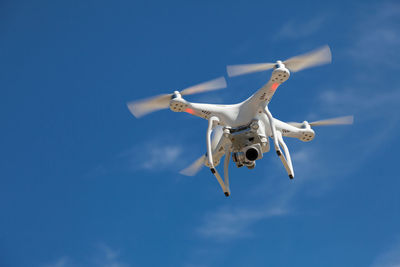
[190, 111]
[274, 86]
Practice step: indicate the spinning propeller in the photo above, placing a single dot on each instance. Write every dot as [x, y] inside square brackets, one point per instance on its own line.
[145, 106]
[334, 121]
[195, 167]
[314, 58]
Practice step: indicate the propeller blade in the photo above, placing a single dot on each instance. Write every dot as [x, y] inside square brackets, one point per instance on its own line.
[194, 167]
[145, 106]
[314, 58]
[235, 70]
[334, 121]
[199, 163]
[215, 84]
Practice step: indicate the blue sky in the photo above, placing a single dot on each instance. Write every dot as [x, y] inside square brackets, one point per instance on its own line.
[84, 183]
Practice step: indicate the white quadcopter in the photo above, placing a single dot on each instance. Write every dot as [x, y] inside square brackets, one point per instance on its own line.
[243, 129]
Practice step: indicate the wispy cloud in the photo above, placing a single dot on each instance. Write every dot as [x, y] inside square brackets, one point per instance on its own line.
[108, 257]
[388, 258]
[227, 223]
[153, 156]
[376, 37]
[296, 29]
[367, 101]
[372, 108]
[161, 157]
[269, 199]
[103, 256]
[370, 92]
[61, 262]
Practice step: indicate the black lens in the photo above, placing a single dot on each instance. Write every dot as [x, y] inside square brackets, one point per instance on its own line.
[251, 154]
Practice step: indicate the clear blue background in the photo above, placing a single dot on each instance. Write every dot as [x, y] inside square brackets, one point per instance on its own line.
[84, 183]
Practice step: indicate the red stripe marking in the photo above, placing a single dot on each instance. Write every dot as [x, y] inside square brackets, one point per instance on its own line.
[274, 86]
[190, 111]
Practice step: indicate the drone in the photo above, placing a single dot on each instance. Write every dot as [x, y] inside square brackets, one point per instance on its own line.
[242, 130]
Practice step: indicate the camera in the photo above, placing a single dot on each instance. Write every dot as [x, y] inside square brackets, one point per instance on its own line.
[247, 156]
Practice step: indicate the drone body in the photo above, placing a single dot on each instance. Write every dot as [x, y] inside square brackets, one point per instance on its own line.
[243, 130]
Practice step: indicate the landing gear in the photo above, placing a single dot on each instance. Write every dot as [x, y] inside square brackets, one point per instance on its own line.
[278, 140]
[223, 141]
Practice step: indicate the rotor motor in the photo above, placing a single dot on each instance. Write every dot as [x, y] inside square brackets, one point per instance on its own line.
[177, 103]
[280, 73]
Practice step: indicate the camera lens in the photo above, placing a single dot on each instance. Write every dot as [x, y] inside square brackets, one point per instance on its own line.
[252, 154]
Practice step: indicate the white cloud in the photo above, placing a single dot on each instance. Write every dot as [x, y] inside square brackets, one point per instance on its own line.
[376, 37]
[61, 262]
[227, 223]
[103, 256]
[363, 100]
[275, 196]
[301, 156]
[295, 29]
[153, 156]
[156, 157]
[270, 198]
[389, 258]
[108, 257]
[378, 109]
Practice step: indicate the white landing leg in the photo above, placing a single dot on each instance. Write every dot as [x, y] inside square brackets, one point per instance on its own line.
[273, 130]
[286, 160]
[226, 167]
[212, 122]
[278, 139]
